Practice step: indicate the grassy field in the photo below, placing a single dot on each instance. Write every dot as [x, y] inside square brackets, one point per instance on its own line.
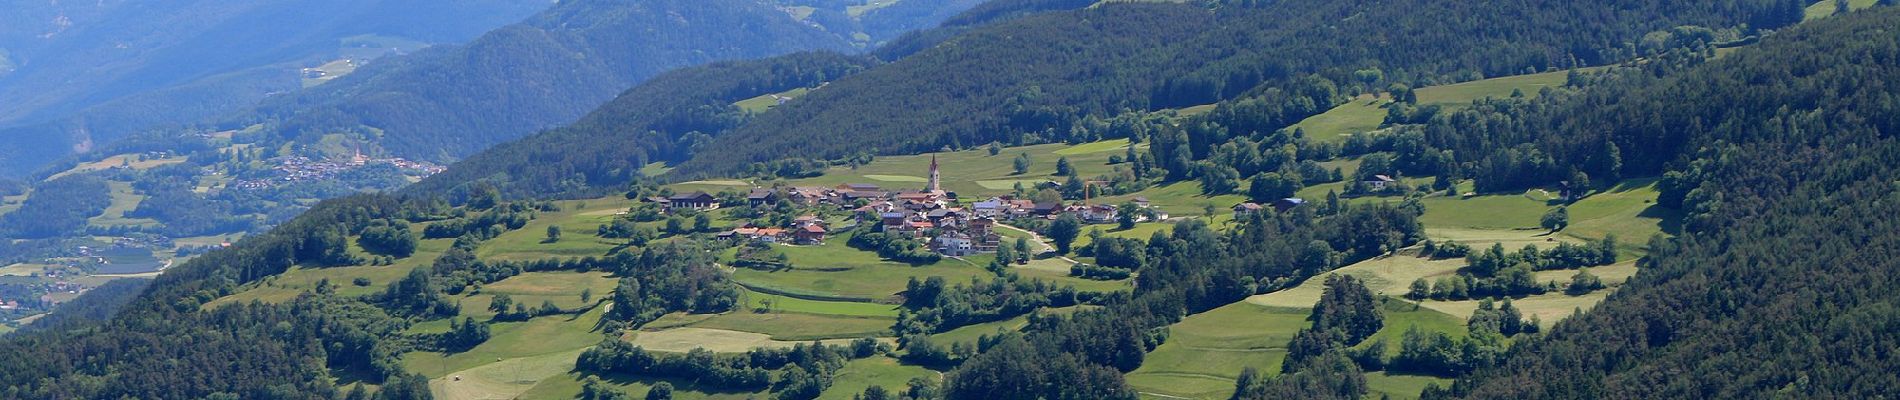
[123, 160]
[1205, 352]
[1627, 210]
[875, 371]
[1826, 8]
[578, 220]
[777, 303]
[1362, 114]
[1464, 93]
[834, 270]
[558, 334]
[767, 101]
[533, 288]
[123, 200]
[974, 173]
[1400, 386]
[286, 286]
[1181, 199]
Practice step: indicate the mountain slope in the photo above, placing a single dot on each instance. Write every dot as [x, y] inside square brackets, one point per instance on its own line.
[70, 62]
[1003, 82]
[1785, 284]
[606, 149]
[547, 70]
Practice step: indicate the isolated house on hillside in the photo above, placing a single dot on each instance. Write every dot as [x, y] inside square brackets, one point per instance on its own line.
[810, 234]
[1243, 210]
[1379, 182]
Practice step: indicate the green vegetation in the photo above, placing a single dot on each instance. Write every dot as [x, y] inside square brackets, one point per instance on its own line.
[1205, 352]
[974, 173]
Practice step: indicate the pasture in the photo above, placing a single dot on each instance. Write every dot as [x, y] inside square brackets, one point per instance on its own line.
[284, 287]
[564, 335]
[1361, 114]
[1205, 352]
[531, 289]
[975, 173]
[578, 220]
[123, 200]
[1827, 8]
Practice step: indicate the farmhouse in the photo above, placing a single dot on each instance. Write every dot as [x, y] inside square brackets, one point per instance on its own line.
[760, 197]
[1243, 210]
[810, 234]
[693, 201]
[1379, 182]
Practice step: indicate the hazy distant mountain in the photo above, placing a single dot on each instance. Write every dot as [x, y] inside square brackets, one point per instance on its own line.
[73, 74]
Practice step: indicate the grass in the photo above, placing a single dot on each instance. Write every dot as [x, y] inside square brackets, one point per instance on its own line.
[1400, 386]
[686, 338]
[1627, 210]
[577, 224]
[1827, 8]
[1362, 114]
[284, 287]
[863, 373]
[533, 288]
[1181, 199]
[768, 101]
[1465, 93]
[1391, 276]
[559, 337]
[756, 300]
[835, 270]
[1205, 352]
[122, 160]
[1548, 307]
[123, 200]
[859, 10]
[975, 173]
[568, 386]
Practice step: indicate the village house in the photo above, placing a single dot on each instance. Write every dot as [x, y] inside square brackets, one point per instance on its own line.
[809, 235]
[953, 244]
[1379, 182]
[1242, 210]
[858, 187]
[700, 201]
[1100, 214]
[761, 197]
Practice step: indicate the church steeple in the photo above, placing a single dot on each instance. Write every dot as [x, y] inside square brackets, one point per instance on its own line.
[935, 178]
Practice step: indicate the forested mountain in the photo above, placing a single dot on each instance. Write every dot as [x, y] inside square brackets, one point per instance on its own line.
[1785, 283]
[75, 74]
[1026, 80]
[667, 118]
[550, 69]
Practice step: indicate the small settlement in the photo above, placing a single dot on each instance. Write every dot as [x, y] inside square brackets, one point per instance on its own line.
[939, 219]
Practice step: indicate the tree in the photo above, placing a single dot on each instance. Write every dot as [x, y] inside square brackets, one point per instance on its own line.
[1420, 289]
[661, 391]
[1583, 283]
[1064, 232]
[702, 222]
[1021, 163]
[554, 233]
[1022, 250]
[1842, 7]
[1063, 168]
[996, 148]
[1125, 216]
[1556, 220]
[587, 295]
[875, 392]
[1271, 186]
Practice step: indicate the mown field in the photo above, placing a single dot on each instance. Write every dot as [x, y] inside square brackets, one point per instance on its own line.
[975, 173]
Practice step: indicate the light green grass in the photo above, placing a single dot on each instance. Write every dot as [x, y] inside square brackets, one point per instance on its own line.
[897, 178]
[766, 101]
[510, 340]
[287, 285]
[1361, 114]
[655, 169]
[975, 173]
[533, 288]
[859, 10]
[123, 200]
[834, 270]
[1205, 352]
[578, 227]
[1465, 93]
[1826, 8]
[568, 386]
[1400, 386]
[777, 303]
[1627, 210]
[875, 371]
[1181, 199]
[5, 329]
[1548, 307]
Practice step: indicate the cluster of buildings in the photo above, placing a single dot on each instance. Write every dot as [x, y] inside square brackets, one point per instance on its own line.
[302, 169]
[805, 230]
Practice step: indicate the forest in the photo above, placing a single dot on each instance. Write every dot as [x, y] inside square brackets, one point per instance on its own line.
[997, 84]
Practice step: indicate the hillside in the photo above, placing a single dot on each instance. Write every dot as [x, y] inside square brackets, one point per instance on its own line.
[996, 84]
[547, 70]
[1465, 208]
[80, 74]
